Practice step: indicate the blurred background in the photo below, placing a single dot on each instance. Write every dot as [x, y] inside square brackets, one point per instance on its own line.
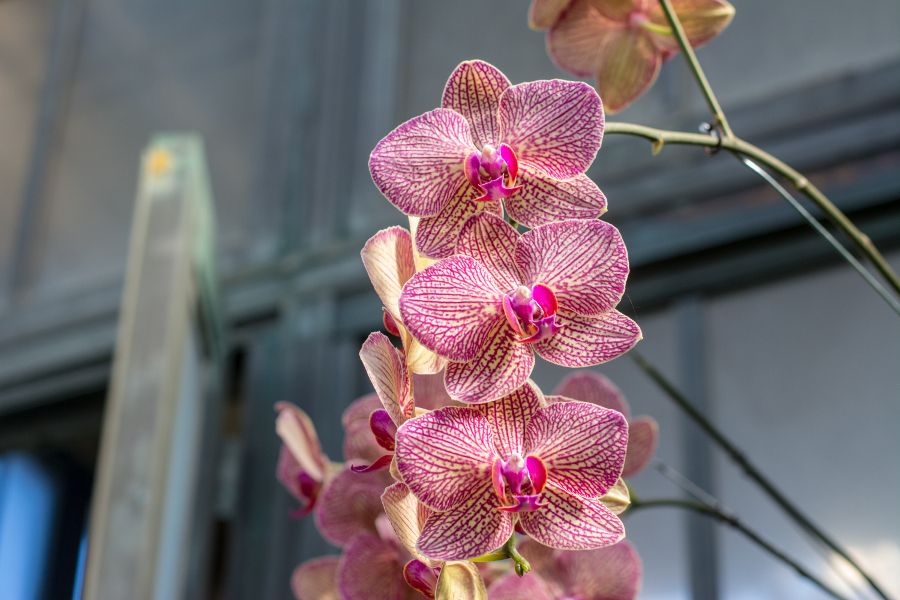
[741, 304]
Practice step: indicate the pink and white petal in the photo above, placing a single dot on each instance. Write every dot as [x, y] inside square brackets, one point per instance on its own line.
[474, 90]
[554, 125]
[490, 240]
[510, 415]
[611, 573]
[543, 14]
[287, 472]
[388, 259]
[574, 41]
[702, 21]
[513, 587]
[452, 307]
[372, 569]
[582, 445]
[584, 262]
[419, 359]
[643, 435]
[298, 433]
[544, 199]
[407, 516]
[500, 368]
[618, 498]
[419, 165]
[429, 391]
[436, 236]
[473, 528]
[349, 505]
[359, 443]
[316, 579]
[624, 76]
[460, 580]
[589, 386]
[445, 456]
[387, 371]
[568, 522]
[589, 341]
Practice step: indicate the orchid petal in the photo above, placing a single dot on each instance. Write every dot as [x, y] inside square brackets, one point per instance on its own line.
[643, 435]
[501, 367]
[420, 577]
[380, 463]
[388, 259]
[421, 360]
[445, 456]
[543, 14]
[582, 445]
[568, 522]
[509, 416]
[386, 369]
[349, 505]
[544, 199]
[702, 20]
[384, 428]
[298, 433]
[492, 242]
[612, 573]
[429, 391]
[359, 443]
[316, 579]
[584, 262]
[371, 569]
[460, 581]
[407, 516]
[295, 480]
[473, 90]
[436, 236]
[554, 125]
[588, 386]
[618, 498]
[472, 528]
[419, 165]
[588, 341]
[512, 587]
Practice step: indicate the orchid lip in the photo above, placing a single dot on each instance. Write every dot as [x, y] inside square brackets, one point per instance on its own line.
[493, 172]
[531, 312]
[309, 489]
[524, 478]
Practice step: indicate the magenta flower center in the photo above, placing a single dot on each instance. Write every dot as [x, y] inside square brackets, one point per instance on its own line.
[520, 481]
[493, 172]
[531, 312]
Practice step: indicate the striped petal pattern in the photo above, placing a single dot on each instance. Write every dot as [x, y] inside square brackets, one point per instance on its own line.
[386, 369]
[418, 167]
[509, 416]
[588, 341]
[544, 199]
[555, 125]
[474, 90]
[582, 445]
[372, 569]
[407, 516]
[388, 259]
[436, 236]
[568, 522]
[492, 242]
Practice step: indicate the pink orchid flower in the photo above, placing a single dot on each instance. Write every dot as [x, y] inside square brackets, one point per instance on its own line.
[505, 296]
[611, 573]
[487, 469]
[622, 43]
[492, 145]
[643, 432]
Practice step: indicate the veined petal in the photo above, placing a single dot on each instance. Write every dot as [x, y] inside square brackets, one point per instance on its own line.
[582, 445]
[386, 369]
[501, 367]
[419, 165]
[612, 573]
[316, 579]
[436, 236]
[509, 416]
[588, 341]
[371, 569]
[359, 443]
[702, 21]
[588, 386]
[349, 505]
[643, 435]
[543, 14]
[407, 516]
[492, 242]
[512, 587]
[419, 359]
[574, 41]
[298, 433]
[388, 259]
[473, 91]
[452, 307]
[473, 528]
[460, 580]
[430, 392]
[584, 262]
[568, 522]
[555, 125]
[445, 456]
[544, 199]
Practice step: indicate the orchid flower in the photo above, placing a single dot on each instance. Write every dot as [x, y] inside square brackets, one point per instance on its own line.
[622, 43]
[505, 296]
[611, 573]
[643, 432]
[486, 469]
[492, 145]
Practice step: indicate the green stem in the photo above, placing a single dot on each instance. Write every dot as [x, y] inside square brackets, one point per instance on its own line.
[507, 550]
[736, 524]
[749, 468]
[739, 147]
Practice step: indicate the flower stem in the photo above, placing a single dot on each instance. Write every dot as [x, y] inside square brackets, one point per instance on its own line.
[735, 523]
[507, 550]
[749, 468]
[741, 148]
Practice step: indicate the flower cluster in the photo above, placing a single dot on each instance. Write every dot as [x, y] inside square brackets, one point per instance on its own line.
[458, 454]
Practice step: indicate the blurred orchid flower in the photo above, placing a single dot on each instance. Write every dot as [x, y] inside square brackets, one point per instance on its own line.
[492, 145]
[505, 296]
[486, 469]
[622, 43]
